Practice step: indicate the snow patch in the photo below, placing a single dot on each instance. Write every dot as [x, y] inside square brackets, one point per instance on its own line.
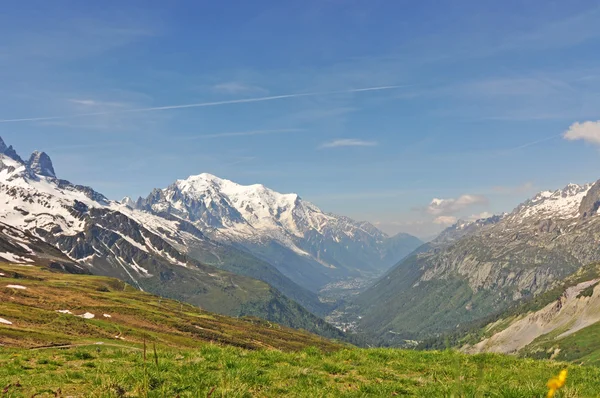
[19, 287]
[5, 322]
[13, 258]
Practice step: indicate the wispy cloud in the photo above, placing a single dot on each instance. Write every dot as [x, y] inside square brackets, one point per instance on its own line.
[528, 144]
[74, 38]
[346, 142]
[204, 104]
[587, 131]
[237, 88]
[96, 103]
[82, 147]
[238, 134]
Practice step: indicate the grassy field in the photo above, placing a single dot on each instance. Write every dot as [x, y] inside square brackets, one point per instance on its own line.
[217, 371]
[153, 347]
[122, 314]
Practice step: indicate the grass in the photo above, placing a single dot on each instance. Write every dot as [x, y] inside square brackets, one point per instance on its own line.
[153, 347]
[582, 347]
[135, 316]
[218, 371]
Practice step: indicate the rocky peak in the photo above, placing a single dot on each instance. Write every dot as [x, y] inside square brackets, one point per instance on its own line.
[591, 201]
[127, 201]
[9, 151]
[41, 164]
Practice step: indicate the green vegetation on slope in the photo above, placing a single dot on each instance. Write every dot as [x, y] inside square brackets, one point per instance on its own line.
[133, 315]
[239, 262]
[581, 347]
[153, 347]
[105, 371]
[472, 333]
[417, 309]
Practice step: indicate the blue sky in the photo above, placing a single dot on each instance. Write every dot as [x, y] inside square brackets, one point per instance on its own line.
[485, 93]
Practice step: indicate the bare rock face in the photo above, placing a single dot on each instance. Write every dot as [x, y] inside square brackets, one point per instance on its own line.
[41, 164]
[591, 202]
[9, 151]
[489, 264]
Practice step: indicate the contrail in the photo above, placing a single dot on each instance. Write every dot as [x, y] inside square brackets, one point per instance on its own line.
[204, 104]
[532, 143]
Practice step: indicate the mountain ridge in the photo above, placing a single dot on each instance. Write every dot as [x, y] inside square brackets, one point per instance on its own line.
[106, 238]
[308, 245]
[474, 269]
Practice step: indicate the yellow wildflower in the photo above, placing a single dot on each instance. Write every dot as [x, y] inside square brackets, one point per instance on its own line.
[555, 383]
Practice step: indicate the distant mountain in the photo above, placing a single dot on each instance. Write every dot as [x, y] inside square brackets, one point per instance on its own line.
[79, 230]
[20, 247]
[307, 245]
[477, 268]
[562, 323]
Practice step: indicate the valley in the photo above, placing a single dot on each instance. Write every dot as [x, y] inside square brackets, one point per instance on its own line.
[299, 199]
[67, 334]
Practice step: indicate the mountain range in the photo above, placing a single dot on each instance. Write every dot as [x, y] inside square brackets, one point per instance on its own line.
[307, 245]
[248, 250]
[474, 269]
[227, 248]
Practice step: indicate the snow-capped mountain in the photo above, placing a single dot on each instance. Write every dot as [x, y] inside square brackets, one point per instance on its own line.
[560, 204]
[308, 245]
[23, 248]
[167, 256]
[476, 268]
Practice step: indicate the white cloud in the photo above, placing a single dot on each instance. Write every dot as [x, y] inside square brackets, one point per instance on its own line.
[346, 142]
[485, 214]
[588, 131]
[445, 220]
[237, 88]
[439, 207]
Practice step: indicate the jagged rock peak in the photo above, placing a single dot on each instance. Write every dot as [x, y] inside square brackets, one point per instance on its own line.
[41, 164]
[9, 151]
[591, 201]
[127, 201]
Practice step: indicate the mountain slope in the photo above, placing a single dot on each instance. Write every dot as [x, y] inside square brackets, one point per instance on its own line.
[107, 238]
[476, 269]
[47, 308]
[188, 239]
[553, 325]
[23, 248]
[310, 247]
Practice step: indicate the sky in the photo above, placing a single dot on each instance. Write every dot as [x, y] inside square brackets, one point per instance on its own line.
[406, 114]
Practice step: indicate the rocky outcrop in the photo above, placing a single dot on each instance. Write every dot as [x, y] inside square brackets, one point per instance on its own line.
[572, 312]
[513, 257]
[591, 202]
[40, 164]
